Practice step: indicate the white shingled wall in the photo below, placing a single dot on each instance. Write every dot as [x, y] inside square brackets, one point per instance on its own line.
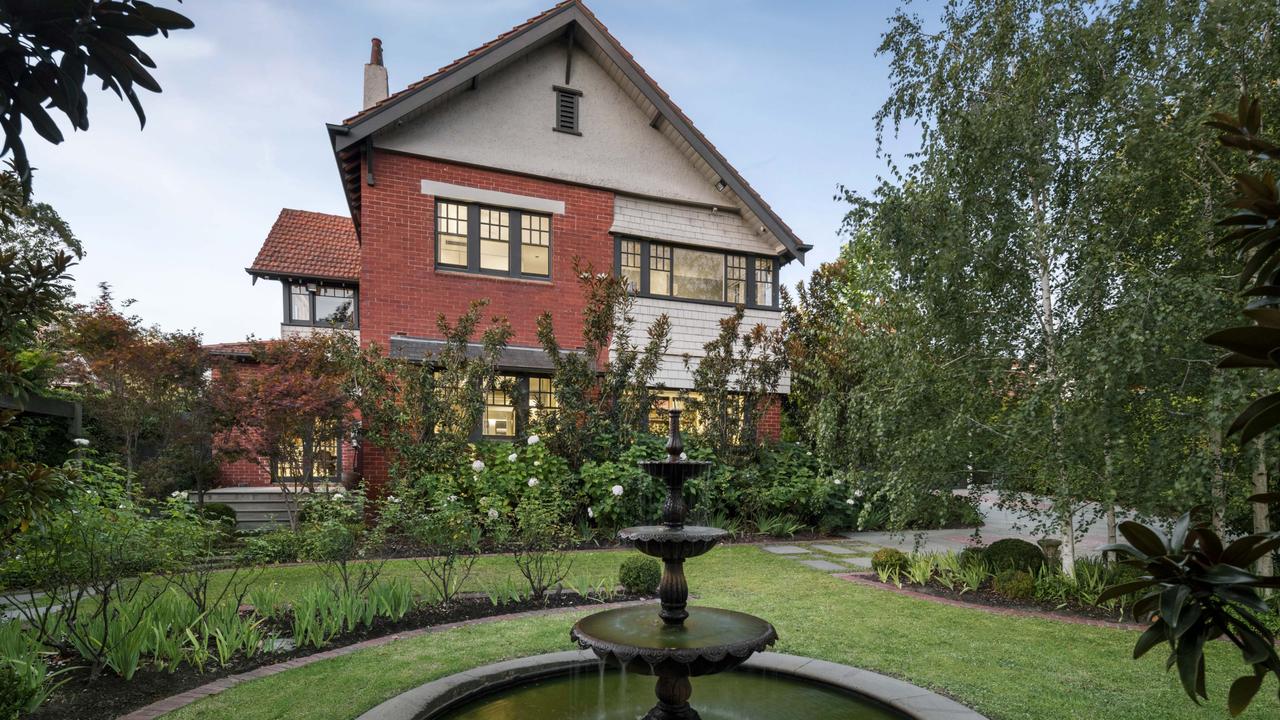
[718, 229]
[693, 325]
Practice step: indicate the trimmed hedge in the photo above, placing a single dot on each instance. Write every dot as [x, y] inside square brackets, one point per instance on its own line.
[1014, 554]
[888, 560]
[640, 575]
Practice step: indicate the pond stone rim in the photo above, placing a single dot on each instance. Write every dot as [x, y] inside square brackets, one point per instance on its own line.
[436, 696]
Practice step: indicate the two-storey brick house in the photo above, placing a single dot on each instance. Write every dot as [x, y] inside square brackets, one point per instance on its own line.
[490, 176]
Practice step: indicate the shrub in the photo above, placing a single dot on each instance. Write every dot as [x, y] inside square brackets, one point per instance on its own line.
[1014, 584]
[889, 560]
[1014, 554]
[971, 556]
[640, 575]
[272, 546]
[223, 513]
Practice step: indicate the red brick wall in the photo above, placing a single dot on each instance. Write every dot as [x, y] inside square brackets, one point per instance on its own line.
[401, 291]
[770, 427]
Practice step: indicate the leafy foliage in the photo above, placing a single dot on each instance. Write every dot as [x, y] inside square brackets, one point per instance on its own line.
[48, 51]
[603, 390]
[1195, 590]
[640, 575]
[1013, 553]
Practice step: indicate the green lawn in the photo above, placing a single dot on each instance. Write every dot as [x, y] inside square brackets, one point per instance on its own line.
[1004, 667]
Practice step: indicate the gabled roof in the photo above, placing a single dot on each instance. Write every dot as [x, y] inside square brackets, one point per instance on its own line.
[304, 244]
[572, 19]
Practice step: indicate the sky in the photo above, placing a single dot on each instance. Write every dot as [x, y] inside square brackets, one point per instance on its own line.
[170, 215]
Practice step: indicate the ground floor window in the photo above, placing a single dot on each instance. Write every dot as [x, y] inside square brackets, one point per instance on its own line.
[321, 448]
[513, 403]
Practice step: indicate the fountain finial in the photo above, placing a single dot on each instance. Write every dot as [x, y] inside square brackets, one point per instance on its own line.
[675, 446]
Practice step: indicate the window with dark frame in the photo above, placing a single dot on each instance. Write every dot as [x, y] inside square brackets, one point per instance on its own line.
[655, 269]
[326, 460]
[568, 106]
[513, 402]
[482, 239]
[764, 282]
[319, 305]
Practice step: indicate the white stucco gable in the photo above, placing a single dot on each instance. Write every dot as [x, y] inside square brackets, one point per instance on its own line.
[506, 122]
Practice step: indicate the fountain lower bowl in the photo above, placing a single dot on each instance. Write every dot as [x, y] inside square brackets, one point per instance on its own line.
[710, 641]
[667, 543]
[523, 689]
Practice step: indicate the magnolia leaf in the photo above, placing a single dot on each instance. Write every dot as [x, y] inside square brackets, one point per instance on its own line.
[1190, 662]
[1172, 601]
[1150, 638]
[1128, 588]
[1266, 498]
[1242, 692]
[1148, 540]
[1222, 574]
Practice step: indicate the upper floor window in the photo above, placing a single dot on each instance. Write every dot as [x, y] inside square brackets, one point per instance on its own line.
[660, 270]
[483, 239]
[320, 305]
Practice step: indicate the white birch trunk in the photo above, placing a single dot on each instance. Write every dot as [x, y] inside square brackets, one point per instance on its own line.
[1261, 522]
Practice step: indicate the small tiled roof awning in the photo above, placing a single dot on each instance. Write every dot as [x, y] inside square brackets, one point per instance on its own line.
[304, 244]
[514, 357]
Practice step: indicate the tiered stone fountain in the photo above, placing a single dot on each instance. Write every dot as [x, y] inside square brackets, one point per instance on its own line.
[678, 642]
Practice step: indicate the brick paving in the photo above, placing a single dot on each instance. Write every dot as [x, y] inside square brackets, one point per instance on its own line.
[169, 704]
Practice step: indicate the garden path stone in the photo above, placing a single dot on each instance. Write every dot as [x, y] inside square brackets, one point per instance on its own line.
[858, 562]
[786, 549]
[823, 565]
[835, 549]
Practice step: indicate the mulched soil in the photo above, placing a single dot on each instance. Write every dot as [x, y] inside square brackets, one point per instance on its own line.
[986, 597]
[110, 696]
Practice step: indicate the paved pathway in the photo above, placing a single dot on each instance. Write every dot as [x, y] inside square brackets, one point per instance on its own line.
[998, 524]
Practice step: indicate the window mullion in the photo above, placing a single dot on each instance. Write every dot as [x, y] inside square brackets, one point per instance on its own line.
[751, 281]
[644, 267]
[473, 237]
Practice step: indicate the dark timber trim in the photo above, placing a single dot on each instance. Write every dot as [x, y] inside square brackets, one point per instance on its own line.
[548, 28]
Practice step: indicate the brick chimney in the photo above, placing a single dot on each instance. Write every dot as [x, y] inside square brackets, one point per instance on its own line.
[375, 76]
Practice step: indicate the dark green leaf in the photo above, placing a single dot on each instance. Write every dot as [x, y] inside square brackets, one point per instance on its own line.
[1148, 540]
[1242, 692]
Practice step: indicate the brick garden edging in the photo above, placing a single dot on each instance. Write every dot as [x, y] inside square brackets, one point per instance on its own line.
[870, 581]
[169, 704]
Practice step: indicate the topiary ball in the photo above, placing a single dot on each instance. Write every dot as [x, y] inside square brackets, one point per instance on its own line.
[220, 512]
[1014, 554]
[640, 575]
[1014, 584]
[888, 560]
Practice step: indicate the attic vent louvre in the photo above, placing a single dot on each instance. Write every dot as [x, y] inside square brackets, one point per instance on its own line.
[568, 102]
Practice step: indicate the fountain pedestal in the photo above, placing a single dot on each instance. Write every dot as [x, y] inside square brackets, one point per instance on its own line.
[679, 642]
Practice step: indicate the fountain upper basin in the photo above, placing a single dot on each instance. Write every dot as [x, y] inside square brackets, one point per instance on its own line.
[711, 640]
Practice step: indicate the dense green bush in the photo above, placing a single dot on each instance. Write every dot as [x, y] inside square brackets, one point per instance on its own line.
[640, 575]
[1015, 554]
[1014, 584]
[971, 556]
[223, 513]
[276, 545]
[889, 560]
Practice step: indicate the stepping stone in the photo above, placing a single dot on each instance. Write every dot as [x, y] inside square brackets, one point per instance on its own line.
[836, 549]
[858, 562]
[823, 565]
[786, 550]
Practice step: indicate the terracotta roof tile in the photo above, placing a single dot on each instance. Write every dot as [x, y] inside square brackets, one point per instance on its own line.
[310, 244]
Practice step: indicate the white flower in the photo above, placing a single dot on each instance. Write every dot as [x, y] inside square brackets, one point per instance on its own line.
[838, 481]
[81, 442]
[857, 493]
[616, 490]
[533, 439]
[590, 513]
[533, 482]
[511, 457]
[684, 456]
[808, 453]
[478, 466]
[337, 496]
[537, 463]
[393, 499]
[452, 498]
[493, 514]
[850, 501]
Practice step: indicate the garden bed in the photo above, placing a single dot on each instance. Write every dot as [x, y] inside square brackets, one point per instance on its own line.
[110, 696]
[988, 598]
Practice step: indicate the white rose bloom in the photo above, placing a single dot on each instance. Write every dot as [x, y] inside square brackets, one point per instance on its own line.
[337, 496]
[684, 456]
[533, 482]
[849, 501]
[537, 463]
[493, 514]
[591, 513]
[857, 493]
[616, 490]
[478, 466]
[533, 439]
[511, 457]
[838, 481]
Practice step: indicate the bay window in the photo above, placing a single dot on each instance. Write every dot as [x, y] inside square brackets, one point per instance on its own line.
[320, 305]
